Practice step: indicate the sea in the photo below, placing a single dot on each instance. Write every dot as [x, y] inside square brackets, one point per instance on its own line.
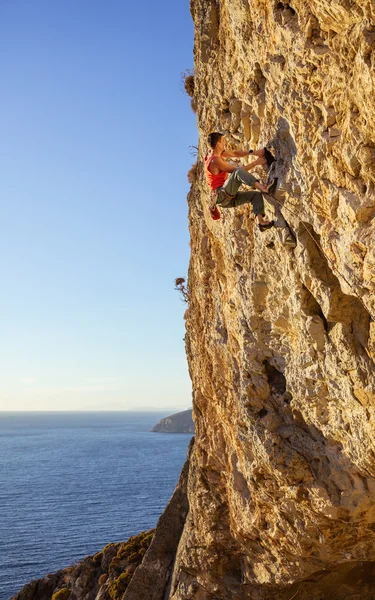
[70, 483]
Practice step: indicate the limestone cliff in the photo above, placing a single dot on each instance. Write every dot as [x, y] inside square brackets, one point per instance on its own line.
[281, 339]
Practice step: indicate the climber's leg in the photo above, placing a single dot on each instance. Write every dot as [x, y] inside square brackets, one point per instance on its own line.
[253, 198]
[240, 176]
[236, 179]
[229, 197]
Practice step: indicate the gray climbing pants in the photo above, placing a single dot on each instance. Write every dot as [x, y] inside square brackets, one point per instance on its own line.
[231, 187]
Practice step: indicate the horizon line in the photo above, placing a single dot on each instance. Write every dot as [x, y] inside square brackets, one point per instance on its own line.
[149, 409]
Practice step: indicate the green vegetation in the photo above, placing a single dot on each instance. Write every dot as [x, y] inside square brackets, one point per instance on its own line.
[133, 557]
[132, 550]
[97, 558]
[110, 545]
[116, 567]
[118, 587]
[147, 540]
[128, 557]
[62, 594]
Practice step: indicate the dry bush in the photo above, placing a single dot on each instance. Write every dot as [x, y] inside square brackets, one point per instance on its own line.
[180, 286]
[187, 78]
[189, 85]
[193, 105]
[192, 174]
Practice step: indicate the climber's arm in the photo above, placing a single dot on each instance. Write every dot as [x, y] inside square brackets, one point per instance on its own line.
[241, 153]
[235, 153]
[223, 165]
[258, 161]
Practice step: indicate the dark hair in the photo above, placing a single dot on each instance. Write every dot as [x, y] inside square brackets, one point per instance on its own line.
[213, 138]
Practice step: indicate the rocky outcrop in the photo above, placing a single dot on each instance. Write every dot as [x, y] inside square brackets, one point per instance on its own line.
[137, 569]
[104, 576]
[181, 422]
[281, 339]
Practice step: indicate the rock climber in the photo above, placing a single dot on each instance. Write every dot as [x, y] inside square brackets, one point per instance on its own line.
[224, 189]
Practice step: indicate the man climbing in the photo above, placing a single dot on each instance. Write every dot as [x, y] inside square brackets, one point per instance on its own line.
[224, 189]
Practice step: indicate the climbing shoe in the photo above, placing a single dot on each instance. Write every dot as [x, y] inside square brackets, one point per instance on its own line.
[266, 226]
[269, 157]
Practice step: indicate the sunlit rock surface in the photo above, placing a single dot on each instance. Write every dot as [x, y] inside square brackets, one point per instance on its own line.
[281, 339]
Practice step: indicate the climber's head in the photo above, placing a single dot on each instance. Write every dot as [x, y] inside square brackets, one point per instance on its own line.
[216, 141]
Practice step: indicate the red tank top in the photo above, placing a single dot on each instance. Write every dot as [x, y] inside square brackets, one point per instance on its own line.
[213, 181]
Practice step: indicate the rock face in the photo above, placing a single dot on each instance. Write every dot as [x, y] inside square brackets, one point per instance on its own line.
[281, 339]
[181, 422]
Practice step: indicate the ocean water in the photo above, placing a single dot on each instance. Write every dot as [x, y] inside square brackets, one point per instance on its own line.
[70, 483]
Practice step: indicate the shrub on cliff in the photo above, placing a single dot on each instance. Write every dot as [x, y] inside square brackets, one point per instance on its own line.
[62, 594]
[134, 557]
[187, 78]
[118, 587]
[147, 540]
[97, 558]
[134, 545]
[115, 568]
[192, 173]
[180, 286]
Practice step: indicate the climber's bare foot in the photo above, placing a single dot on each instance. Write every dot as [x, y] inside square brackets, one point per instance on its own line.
[261, 220]
[266, 189]
[264, 224]
[261, 187]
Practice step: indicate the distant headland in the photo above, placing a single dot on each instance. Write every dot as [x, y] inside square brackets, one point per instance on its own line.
[181, 422]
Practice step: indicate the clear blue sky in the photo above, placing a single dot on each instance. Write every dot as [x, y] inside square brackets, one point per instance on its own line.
[95, 136]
